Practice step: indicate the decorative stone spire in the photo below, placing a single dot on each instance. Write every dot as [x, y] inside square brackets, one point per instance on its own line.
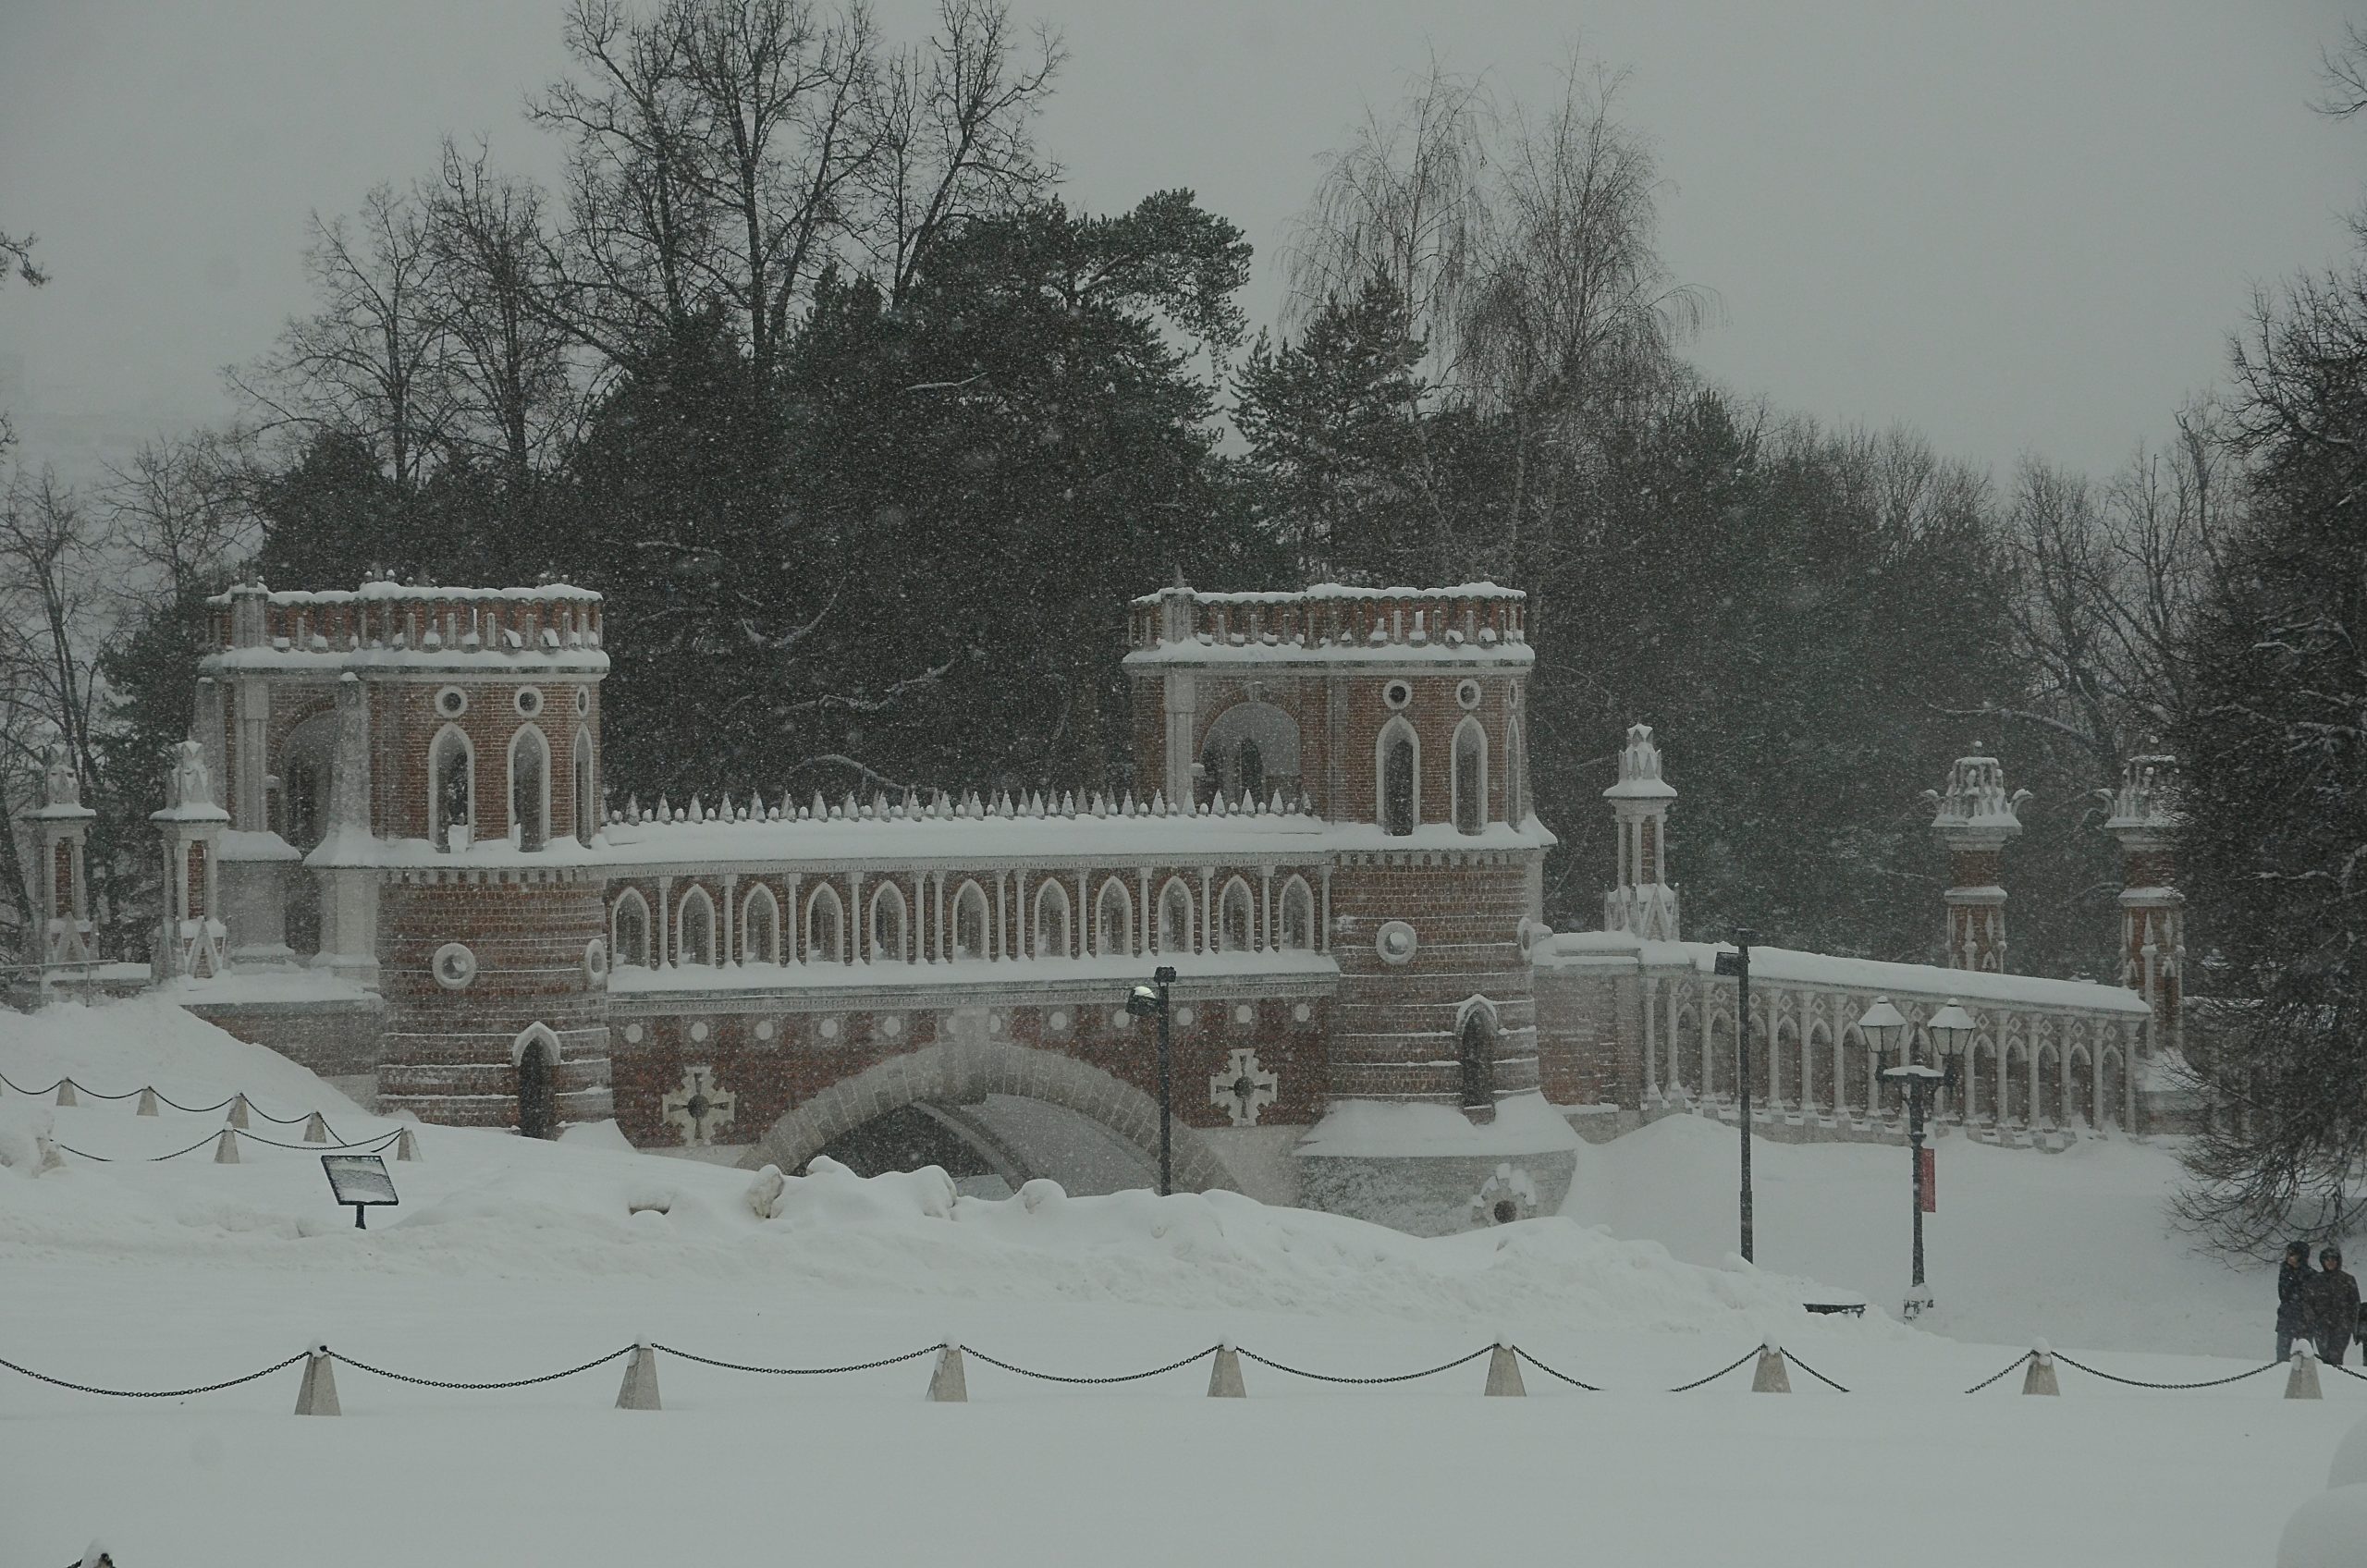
[1975, 818]
[61, 829]
[1643, 903]
[2145, 819]
[190, 939]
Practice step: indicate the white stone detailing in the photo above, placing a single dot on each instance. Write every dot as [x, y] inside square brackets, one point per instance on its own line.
[700, 1108]
[455, 967]
[1245, 1087]
[1396, 942]
[1507, 1195]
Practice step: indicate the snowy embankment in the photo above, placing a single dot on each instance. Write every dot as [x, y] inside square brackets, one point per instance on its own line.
[508, 1259]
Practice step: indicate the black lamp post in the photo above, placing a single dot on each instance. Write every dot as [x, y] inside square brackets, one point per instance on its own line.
[1886, 1030]
[1737, 963]
[1145, 1001]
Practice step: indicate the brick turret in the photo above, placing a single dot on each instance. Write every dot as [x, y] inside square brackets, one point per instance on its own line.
[1976, 819]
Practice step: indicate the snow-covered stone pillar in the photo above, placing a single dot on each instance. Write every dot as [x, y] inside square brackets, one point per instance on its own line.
[1642, 903]
[339, 865]
[1975, 818]
[2153, 911]
[191, 937]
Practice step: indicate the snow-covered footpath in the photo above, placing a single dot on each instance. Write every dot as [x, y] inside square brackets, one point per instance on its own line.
[508, 1259]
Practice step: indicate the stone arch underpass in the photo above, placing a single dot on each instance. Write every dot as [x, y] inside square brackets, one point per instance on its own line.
[957, 1085]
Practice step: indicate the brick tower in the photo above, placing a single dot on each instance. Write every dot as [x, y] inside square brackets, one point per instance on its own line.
[2153, 911]
[1976, 819]
[415, 773]
[1397, 714]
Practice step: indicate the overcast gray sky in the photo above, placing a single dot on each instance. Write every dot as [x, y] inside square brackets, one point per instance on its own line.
[2019, 226]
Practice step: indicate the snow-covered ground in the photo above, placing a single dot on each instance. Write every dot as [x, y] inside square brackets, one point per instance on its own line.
[508, 1259]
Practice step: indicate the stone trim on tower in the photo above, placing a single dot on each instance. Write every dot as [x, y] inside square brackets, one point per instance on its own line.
[2153, 911]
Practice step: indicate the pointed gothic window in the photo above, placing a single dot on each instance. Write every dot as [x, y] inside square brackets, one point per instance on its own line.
[1297, 917]
[1400, 760]
[529, 795]
[972, 928]
[1470, 777]
[452, 799]
[1115, 912]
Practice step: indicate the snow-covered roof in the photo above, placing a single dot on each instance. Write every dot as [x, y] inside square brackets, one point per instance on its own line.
[1295, 968]
[384, 590]
[1481, 589]
[1786, 965]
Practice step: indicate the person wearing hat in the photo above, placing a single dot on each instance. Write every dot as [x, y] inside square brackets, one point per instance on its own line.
[2292, 1278]
[2330, 1307]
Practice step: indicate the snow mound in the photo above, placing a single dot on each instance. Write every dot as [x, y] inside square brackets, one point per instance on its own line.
[2328, 1531]
[1374, 1129]
[2350, 1467]
[117, 1047]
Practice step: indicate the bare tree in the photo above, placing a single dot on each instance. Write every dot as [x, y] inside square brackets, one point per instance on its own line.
[17, 256]
[954, 135]
[716, 147]
[496, 302]
[180, 514]
[374, 361]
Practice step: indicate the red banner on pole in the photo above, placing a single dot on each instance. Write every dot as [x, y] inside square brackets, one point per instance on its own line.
[1928, 1176]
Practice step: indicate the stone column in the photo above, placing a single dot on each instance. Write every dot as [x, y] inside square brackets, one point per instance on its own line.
[2153, 911]
[61, 884]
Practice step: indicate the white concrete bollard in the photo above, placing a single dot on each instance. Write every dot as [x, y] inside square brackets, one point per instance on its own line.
[1504, 1374]
[2038, 1378]
[405, 1147]
[947, 1385]
[2303, 1381]
[1772, 1375]
[226, 1148]
[66, 1093]
[238, 1111]
[640, 1389]
[317, 1129]
[317, 1396]
[147, 1103]
[1224, 1376]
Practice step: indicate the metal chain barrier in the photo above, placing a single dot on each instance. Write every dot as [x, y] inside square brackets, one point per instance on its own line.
[206, 1141]
[802, 1371]
[2345, 1370]
[1574, 1382]
[1688, 1388]
[2019, 1361]
[2141, 1383]
[154, 1393]
[371, 1143]
[1400, 1378]
[440, 1383]
[1121, 1377]
[162, 1097]
[1814, 1373]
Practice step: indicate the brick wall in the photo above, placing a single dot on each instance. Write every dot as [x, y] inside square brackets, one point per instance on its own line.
[447, 1052]
[774, 1061]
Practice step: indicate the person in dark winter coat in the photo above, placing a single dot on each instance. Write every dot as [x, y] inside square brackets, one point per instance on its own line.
[2292, 1277]
[2330, 1303]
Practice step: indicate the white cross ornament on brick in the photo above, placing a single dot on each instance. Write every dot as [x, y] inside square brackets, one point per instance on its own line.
[699, 1109]
[1244, 1087]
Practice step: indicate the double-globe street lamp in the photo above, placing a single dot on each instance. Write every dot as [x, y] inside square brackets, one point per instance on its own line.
[1886, 1030]
[1150, 999]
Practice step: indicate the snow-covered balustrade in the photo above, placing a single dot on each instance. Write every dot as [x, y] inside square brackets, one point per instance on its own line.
[1472, 619]
[743, 893]
[2049, 1055]
[391, 617]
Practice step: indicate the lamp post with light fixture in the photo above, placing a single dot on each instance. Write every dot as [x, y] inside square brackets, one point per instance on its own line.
[1145, 1000]
[1886, 1030]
